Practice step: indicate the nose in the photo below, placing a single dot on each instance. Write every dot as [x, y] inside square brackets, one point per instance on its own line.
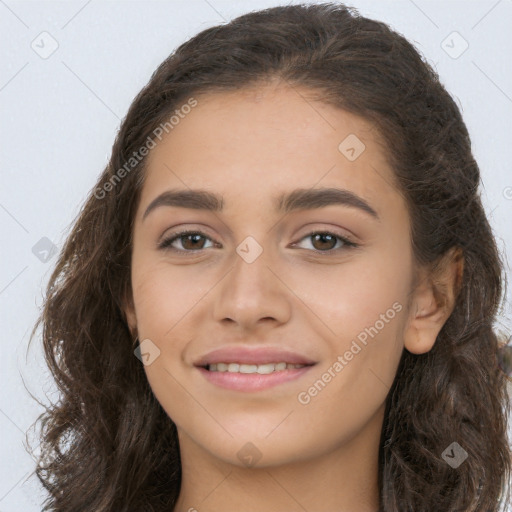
[252, 292]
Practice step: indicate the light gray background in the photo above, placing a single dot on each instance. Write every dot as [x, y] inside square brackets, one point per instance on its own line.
[60, 115]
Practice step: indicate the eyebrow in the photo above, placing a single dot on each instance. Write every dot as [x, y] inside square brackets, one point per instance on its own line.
[298, 199]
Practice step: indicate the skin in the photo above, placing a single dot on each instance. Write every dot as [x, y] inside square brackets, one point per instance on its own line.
[249, 146]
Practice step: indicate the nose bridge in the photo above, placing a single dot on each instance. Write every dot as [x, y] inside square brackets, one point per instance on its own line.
[251, 291]
[250, 273]
[253, 230]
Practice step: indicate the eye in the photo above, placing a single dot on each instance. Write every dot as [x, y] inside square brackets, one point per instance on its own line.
[190, 240]
[324, 241]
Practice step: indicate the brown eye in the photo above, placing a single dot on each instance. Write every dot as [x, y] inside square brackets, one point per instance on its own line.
[325, 241]
[190, 241]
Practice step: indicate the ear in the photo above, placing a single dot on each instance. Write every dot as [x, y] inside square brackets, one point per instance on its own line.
[128, 309]
[433, 301]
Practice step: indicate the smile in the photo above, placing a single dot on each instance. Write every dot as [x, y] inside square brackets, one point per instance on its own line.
[262, 369]
[252, 378]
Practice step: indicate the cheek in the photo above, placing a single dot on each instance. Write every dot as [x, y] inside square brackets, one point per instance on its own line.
[359, 312]
[343, 299]
[165, 293]
[166, 300]
[360, 363]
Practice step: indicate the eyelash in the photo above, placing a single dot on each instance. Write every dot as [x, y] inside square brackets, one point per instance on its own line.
[166, 244]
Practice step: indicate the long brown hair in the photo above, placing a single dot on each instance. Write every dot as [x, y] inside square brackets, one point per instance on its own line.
[108, 445]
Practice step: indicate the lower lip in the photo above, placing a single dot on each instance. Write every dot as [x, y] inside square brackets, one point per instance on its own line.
[252, 381]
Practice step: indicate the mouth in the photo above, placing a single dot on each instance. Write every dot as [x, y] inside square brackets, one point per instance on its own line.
[261, 369]
[252, 377]
[248, 369]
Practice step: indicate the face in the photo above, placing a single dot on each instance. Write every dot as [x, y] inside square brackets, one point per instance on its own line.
[320, 281]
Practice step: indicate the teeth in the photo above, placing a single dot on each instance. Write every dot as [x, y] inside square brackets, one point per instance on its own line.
[262, 369]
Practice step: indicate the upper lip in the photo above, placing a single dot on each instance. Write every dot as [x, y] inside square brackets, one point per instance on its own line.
[252, 356]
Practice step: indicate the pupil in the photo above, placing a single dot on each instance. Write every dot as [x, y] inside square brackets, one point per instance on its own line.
[195, 237]
[323, 236]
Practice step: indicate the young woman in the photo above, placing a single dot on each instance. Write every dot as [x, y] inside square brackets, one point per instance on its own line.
[280, 294]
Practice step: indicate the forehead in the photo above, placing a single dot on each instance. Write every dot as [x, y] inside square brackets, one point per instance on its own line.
[250, 143]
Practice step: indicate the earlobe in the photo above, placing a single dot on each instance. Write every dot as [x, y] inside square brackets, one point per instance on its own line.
[128, 310]
[433, 302]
